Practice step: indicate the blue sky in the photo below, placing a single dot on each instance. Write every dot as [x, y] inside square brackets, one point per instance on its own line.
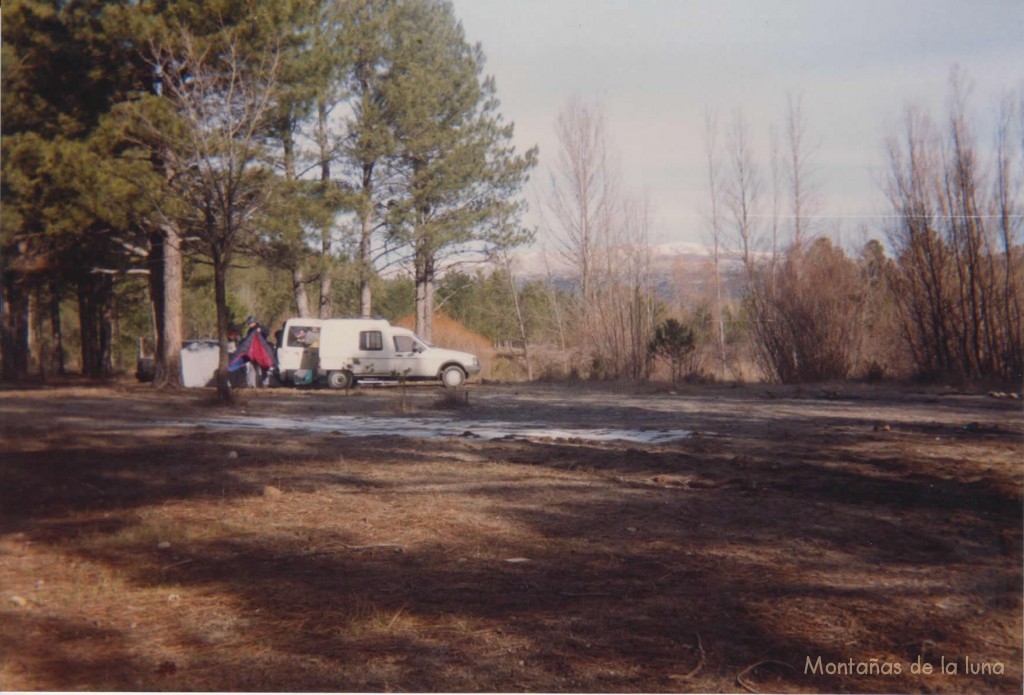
[656, 65]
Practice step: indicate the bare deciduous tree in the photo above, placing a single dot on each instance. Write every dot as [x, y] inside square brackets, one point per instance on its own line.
[507, 262]
[1008, 206]
[807, 314]
[558, 313]
[215, 154]
[957, 281]
[776, 169]
[581, 193]
[799, 173]
[715, 230]
[621, 316]
[804, 305]
[742, 191]
[604, 237]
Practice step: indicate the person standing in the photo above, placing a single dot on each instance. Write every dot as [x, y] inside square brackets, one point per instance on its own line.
[254, 373]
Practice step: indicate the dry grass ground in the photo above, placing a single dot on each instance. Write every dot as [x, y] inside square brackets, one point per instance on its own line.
[142, 548]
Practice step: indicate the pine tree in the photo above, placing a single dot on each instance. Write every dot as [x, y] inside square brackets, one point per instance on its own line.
[460, 174]
[369, 146]
[63, 70]
[312, 61]
[673, 342]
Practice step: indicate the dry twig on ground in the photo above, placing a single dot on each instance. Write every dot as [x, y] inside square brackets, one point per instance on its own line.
[748, 669]
[699, 649]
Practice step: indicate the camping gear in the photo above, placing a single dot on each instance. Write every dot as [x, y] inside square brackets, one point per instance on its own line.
[199, 363]
[255, 349]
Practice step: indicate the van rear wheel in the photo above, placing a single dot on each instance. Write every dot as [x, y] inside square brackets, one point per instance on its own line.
[453, 377]
[340, 380]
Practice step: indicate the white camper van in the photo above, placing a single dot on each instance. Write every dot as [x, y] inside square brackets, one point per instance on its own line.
[347, 350]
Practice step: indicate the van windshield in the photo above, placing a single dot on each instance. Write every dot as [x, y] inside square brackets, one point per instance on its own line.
[407, 342]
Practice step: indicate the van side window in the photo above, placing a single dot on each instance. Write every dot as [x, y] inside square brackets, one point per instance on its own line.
[403, 343]
[303, 336]
[371, 340]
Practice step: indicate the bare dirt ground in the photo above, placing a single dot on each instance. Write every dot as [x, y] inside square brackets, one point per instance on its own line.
[798, 540]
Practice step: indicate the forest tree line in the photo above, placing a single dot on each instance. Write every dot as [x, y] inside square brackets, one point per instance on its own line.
[149, 138]
[172, 166]
[934, 291]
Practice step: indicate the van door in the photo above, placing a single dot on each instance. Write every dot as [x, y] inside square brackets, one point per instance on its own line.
[301, 347]
[375, 354]
[407, 362]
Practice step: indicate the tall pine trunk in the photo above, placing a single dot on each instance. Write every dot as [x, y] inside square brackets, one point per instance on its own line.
[220, 266]
[365, 264]
[170, 360]
[166, 290]
[365, 254]
[424, 280]
[325, 305]
[95, 317]
[299, 280]
[424, 307]
[299, 291]
[87, 328]
[56, 330]
[326, 264]
[106, 333]
[14, 328]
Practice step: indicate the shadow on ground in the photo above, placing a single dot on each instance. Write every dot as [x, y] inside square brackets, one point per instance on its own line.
[260, 561]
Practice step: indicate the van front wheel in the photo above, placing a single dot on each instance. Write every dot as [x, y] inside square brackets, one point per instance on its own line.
[453, 376]
[340, 380]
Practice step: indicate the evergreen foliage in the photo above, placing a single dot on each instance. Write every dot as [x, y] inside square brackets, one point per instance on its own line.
[126, 137]
[673, 342]
[459, 172]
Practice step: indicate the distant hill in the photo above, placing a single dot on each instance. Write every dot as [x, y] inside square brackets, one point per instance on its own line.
[682, 271]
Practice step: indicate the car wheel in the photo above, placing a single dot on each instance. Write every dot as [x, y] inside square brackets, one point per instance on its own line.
[453, 376]
[340, 380]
